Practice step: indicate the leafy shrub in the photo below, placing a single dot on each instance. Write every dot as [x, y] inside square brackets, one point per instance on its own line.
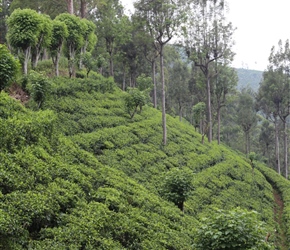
[135, 99]
[235, 229]
[39, 87]
[177, 186]
[9, 67]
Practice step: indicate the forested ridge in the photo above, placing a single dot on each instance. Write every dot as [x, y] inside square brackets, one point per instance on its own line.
[114, 135]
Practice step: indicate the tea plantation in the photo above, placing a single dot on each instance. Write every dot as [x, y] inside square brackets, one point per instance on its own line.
[82, 174]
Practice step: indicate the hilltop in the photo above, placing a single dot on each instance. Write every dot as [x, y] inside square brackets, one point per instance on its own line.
[249, 77]
[81, 174]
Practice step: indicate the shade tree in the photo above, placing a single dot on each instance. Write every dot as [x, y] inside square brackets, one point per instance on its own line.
[24, 28]
[74, 40]
[162, 20]
[208, 39]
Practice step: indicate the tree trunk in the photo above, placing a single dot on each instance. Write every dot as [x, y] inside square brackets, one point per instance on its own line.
[285, 149]
[70, 6]
[83, 9]
[111, 66]
[163, 96]
[124, 80]
[277, 148]
[219, 125]
[154, 85]
[26, 60]
[180, 113]
[208, 104]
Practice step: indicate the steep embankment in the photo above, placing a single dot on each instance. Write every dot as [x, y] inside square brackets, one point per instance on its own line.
[82, 174]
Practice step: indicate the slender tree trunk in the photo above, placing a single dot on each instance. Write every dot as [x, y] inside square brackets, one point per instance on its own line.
[111, 66]
[219, 125]
[124, 81]
[154, 85]
[163, 96]
[277, 148]
[83, 9]
[26, 60]
[180, 113]
[285, 148]
[208, 104]
[70, 6]
[247, 135]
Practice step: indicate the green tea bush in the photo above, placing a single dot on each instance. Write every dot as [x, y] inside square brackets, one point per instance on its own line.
[235, 229]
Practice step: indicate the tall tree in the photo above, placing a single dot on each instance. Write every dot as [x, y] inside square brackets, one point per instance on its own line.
[225, 84]
[59, 34]
[24, 27]
[267, 96]
[75, 40]
[246, 115]
[275, 90]
[162, 19]
[110, 24]
[208, 38]
[43, 41]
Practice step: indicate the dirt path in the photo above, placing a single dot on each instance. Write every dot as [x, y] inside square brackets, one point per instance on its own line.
[278, 213]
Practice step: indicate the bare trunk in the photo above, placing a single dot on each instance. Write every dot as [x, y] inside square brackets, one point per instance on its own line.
[208, 104]
[219, 125]
[163, 96]
[70, 6]
[26, 60]
[154, 85]
[247, 142]
[83, 9]
[285, 149]
[277, 148]
[111, 66]
[180, 113]
[71, 61]
[124, 81]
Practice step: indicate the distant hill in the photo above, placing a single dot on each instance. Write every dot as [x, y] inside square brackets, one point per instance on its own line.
[249, 77]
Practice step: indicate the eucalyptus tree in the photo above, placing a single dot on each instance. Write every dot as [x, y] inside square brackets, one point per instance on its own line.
[161, 19]
[24, 28]
[246, 115]
[74, 40]
[225, 84]
[267, 94]
[150, 50]
[111, 28]
[275, 93]
[208, 39]
[178, 86]
[59, 34]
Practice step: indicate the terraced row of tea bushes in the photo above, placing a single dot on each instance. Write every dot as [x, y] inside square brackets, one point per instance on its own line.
[55, 195]
[283, 187]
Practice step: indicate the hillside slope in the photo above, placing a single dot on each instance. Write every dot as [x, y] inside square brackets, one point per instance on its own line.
[249, 78]
[82, 175]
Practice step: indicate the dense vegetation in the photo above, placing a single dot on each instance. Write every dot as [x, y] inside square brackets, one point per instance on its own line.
[82, 174]
[109, 149]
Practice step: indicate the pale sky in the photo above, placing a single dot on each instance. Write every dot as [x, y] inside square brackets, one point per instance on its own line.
[260, 24]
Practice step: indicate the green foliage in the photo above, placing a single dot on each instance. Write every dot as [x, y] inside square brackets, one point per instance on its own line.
[177, 186]
[135, 99]
[39, 87]
[23, 28]
[235, 229]
[9, 67]
[144, 82]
